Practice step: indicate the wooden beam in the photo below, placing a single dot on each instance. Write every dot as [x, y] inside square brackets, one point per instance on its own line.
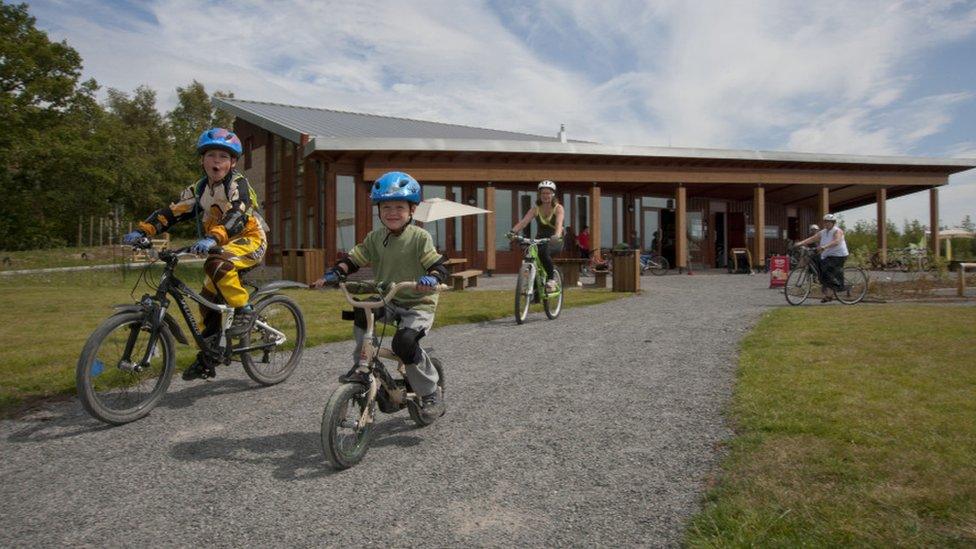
[490, 229]
[934, 221]
[882, 197]
[759, 222]
[681, 227]
[595, 220]
[823, 203]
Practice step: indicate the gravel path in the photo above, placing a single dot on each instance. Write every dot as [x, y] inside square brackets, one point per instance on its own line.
[600, 428]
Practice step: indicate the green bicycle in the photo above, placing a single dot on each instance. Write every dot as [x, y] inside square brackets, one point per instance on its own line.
[531, 282]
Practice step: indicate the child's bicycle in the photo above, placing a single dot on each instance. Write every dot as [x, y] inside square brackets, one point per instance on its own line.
[127, 362]
[350, 415]
[531, 282]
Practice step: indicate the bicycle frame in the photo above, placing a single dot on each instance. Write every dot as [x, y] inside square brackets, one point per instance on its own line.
[371, 351]
[531, 257]
[156, 308]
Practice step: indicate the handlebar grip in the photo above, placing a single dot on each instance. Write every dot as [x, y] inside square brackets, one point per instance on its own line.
[143, 243]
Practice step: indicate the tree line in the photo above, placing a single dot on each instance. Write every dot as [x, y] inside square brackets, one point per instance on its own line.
[67, 158]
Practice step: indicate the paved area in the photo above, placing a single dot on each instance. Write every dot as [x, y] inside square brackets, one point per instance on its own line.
[599, 428]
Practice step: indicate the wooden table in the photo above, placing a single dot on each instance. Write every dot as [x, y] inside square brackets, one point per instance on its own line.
[572, 270]
[455, 263]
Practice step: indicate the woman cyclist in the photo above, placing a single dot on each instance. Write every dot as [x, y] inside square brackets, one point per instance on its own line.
[548, 214]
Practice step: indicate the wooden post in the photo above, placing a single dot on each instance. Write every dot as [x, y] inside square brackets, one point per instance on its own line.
[882, 197]
[91, 231]
[80, 234]
[681, 228]
[823, 205]
[101, 231]
[934, 220]
[595, 221]
[490, 222]
[759, 220]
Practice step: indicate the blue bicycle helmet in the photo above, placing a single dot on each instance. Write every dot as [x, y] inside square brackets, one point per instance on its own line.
[219, 138]
[395, 186]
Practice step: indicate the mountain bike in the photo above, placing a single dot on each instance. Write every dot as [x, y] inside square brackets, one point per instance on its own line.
[350, 415]
[807, 273]
[531, 282]
[126, 365]
[654, 262]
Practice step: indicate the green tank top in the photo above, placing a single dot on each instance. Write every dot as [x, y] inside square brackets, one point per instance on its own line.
[545, 226]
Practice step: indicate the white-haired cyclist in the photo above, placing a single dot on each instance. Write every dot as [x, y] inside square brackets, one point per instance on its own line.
[549, 215]
[833, 254]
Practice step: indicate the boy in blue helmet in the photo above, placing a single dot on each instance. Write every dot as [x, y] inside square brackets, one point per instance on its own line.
[399, 251]
[221, 204]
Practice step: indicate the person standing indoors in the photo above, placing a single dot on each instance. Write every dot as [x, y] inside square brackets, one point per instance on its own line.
[833, 254]
[548, 214]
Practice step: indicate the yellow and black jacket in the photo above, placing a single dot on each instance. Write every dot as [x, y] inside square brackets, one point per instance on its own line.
[224, 211]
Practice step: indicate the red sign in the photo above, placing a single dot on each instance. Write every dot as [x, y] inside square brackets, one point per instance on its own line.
[779, 270]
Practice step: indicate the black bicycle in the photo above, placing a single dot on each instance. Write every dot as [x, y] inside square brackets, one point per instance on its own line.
[128, 361]
[807, 273]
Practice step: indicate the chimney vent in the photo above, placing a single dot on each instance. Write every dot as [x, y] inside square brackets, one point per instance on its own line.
[562, 133]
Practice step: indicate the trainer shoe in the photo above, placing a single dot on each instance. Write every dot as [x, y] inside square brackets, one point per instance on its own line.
[198, 370]
[243, 316]
[550, 285]
[434, 406]
[355, 375]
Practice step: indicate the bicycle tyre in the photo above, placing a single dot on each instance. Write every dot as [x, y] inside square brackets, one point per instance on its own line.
[660, 266]
[267, 310]
[855, 286]
[412, 407]
[92, 366]
[333, 418]
[798, 286]
[554, 305]
[523, 285]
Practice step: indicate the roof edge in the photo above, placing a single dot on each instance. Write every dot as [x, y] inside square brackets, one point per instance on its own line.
[292, 134]
[548, 147]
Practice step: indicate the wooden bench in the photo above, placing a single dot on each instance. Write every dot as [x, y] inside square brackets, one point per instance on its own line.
[961, 289]
[454, 263]
[471, 276]
[572, 271]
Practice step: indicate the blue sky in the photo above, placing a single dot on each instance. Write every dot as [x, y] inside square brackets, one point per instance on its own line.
[855, 77]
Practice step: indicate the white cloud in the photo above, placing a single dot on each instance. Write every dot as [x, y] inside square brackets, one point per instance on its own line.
[834, 76]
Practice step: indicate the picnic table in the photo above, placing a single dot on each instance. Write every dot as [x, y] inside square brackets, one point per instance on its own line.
[455, 263]
[572, 270]
[463, 278]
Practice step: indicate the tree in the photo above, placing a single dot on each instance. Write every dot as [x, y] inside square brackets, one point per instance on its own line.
[193, 114]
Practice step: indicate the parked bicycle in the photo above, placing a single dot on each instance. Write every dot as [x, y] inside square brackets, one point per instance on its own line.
[654, 263]
[128, 361]
[530, 285]
[350, 415]
[807, 273]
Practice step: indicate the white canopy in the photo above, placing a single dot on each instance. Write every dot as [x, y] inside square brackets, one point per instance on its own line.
[433, 209]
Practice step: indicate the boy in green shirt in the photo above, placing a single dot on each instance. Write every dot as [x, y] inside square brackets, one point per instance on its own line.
[399, 251]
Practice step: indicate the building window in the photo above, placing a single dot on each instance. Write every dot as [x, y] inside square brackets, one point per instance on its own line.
[345, 213]
[503, 219]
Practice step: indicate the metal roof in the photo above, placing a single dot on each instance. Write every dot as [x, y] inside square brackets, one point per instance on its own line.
[330, 130]
[292, 121]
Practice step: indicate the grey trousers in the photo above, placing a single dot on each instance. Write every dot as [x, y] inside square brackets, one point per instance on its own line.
[422, 376]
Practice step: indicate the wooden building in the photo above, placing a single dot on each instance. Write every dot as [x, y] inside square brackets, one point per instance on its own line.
[313, 168]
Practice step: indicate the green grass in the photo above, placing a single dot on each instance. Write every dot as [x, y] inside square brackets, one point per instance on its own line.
[46, 319]
[69, 257]
[856, 426]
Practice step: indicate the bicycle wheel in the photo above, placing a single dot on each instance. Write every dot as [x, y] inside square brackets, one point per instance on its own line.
[110, 389]
[855, 286]
[553, 305]
[412, 407]
[344, 440]
[523, 293]
[798, 286]
[278, 323]
[659, 266]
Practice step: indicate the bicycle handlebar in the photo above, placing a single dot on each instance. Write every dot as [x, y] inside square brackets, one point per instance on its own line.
[529, 241]
[395, 289]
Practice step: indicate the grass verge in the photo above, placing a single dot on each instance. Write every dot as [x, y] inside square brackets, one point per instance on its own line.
[854, 428]
[45, 320]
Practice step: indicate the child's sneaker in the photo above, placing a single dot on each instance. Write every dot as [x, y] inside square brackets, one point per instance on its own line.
[242, 321]
[355, 375]
[433, 406]
[550, 285]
